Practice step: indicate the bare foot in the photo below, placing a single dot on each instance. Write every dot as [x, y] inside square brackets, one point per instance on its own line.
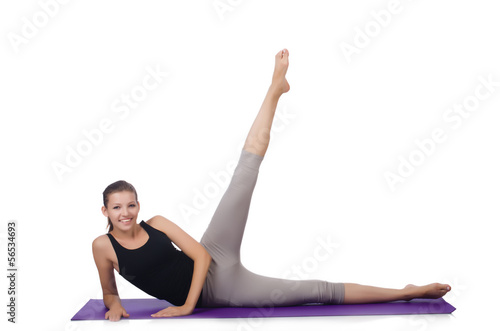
[431, 291]
[279, 83]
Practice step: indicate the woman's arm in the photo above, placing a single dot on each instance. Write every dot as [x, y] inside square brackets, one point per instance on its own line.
[196, 252]
[106, 275]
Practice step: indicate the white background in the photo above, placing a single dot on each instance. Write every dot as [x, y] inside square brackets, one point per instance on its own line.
[343, 125]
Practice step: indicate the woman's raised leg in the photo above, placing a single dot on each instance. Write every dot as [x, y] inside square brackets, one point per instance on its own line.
[223, 236]
[260, 133]
[228, 223]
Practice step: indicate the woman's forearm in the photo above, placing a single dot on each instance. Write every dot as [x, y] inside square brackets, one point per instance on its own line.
[201, 265]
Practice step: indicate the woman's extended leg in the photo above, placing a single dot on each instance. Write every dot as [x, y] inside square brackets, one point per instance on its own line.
[253, 290]
[356, 293]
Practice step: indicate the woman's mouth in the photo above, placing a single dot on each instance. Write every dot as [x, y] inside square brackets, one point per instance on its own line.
[125, 221]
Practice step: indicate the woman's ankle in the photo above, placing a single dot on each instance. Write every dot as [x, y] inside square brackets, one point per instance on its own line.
[275, 91]
[410, 292]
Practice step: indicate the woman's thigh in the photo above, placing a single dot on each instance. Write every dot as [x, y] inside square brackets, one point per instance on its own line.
[236, 286]
[223, 236]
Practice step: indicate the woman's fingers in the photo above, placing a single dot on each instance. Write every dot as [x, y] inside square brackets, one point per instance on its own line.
[114, 315]
[173, 311]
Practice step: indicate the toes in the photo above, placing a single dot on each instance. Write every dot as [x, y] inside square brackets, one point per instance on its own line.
[443, 287]
[283, 54]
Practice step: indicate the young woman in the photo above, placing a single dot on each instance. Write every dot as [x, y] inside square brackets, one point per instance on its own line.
[209, 273]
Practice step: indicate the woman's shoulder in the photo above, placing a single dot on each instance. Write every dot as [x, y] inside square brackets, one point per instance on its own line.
[157, 220]
[101, 242]
[160, 223]
[102, 250]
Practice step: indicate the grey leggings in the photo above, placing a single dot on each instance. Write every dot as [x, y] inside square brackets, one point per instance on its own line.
[228, 282]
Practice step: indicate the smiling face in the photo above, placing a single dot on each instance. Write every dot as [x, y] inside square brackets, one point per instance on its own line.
[122, 209]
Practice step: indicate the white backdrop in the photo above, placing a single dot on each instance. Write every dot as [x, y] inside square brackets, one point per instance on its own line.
[385, 147]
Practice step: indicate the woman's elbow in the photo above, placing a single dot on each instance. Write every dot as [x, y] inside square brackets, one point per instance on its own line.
[203, 260]
[205, 256]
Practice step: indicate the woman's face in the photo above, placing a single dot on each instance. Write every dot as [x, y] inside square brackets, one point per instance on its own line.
[122, 210]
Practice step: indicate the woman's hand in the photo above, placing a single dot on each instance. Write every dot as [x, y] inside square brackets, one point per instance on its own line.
[174, 311]
[114, 314]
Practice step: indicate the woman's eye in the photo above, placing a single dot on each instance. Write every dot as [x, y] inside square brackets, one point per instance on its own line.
[116, 207]
[132, 205]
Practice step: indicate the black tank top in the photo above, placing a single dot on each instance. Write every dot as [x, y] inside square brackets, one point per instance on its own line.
[157, 267]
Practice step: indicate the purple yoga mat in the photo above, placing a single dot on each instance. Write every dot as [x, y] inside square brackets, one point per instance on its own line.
[94, 309]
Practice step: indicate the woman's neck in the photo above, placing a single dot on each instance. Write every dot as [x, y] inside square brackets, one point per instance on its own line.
[130, 234]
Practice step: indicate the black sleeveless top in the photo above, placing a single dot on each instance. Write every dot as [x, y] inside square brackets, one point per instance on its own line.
[157, 267]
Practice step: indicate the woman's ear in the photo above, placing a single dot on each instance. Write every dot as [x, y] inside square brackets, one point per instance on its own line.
[104, 211]
[138, 206]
